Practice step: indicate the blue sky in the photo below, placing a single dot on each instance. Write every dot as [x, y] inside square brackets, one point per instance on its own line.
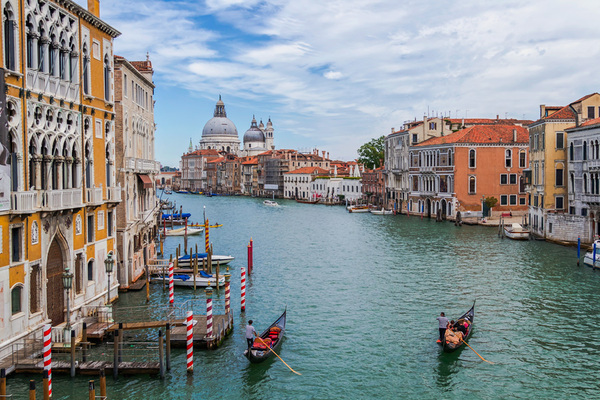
[334, 74]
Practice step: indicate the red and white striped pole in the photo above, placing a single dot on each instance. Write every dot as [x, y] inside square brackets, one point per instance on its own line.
[243, 289]
[48, 354]
[171, 285]
[209, 314]
[250, 256]
[190, 342]
[227, 294]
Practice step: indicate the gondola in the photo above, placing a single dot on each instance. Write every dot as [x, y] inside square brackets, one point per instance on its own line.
[274, 333]
[468, 316]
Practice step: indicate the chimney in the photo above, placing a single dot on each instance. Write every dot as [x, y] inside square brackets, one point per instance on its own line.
[328, 155]
[514, 135]
[542, 110]
[94, 7]
[323, 152]
[392, 129]
[497, 116]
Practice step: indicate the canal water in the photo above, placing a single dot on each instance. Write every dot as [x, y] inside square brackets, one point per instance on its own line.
[362, 294]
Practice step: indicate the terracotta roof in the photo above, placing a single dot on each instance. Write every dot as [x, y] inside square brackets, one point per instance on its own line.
[216, 160]
[142, 66]
[489, 121]
[482, 134]
[206, 152]
[309, 170]
[563, 113]
[584, 98]
[589, 123]
[252, 161]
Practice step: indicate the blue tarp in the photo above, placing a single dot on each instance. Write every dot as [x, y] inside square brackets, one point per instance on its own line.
[182, 277]
[176, 216]
[205, 275]
[187, 257]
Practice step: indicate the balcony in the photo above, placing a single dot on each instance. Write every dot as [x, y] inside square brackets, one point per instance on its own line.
[51, 85]
[113, 194]
[24, 202]
[141, 166]
[94, 195]
[63, 199]
[590, 198]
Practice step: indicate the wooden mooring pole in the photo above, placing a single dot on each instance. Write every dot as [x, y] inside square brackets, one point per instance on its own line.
[168, 339]
[72, 353]
[103, 383]
[92, 390]
[2, 382]
[116, 355]
[121, 338]
[161, 366]
[32, 390]
[84, 343]
[46, 385]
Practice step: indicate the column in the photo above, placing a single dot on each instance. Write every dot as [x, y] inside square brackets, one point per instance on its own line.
[37, 161]
[58, 164]
[77, 177]
[47, 167]
[69, 173]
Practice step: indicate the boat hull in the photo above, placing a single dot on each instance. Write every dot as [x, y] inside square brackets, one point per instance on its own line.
[182, 231]
[216, 260]
[256, 356]
[516, 235]
[469, 316]
[200, 281]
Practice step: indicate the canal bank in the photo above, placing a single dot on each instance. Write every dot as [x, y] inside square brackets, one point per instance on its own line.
[362, 293]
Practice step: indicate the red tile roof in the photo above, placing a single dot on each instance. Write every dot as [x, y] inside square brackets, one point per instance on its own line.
[216, 160]
[206, 152]
[251, 161]
[142, 66]
[563, 113]
[309, 170]
[482, 134]
[589, 123]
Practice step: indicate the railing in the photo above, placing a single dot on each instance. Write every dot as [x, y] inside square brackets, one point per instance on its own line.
[590, 198]
[61, 199]
[114, 194]
[24, 201]
[146, 216]
[141, 165]
[94, 195]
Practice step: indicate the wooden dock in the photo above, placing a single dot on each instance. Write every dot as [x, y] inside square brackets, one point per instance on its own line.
[222, 326]
[36, 366]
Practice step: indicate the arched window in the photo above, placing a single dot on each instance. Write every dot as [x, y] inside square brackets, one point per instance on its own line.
[90, 270]
[585, 184]
[472, 158]
[16, 295]
[584, 151]
[572, 183]
[30, 43]
[522, 159]
[571, 152]
[10, 49]
[508, 158]
[63, 64]
[472, 185]
[597, 150]
[106, 78]
[42, 49]
[86, 67]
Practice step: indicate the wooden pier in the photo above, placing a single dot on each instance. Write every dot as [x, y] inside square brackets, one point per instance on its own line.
[90, 367]
[222, 326]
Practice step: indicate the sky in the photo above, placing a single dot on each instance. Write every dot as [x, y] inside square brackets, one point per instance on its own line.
[333, 74]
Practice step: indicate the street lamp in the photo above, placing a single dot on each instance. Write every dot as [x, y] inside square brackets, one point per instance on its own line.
[67, 278]
[109, 264]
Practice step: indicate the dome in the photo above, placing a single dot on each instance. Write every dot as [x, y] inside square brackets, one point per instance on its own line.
[220, 125]
[254, 134]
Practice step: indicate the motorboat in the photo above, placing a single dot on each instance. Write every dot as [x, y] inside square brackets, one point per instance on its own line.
[516, 231]
[383, 211]
[182, 231]
[183, 191]
[202, 279]
[270, 203]
[589, 256]
[358, 209]
[184, 261]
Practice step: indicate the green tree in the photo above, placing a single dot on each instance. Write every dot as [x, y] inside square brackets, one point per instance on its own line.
[370, 154]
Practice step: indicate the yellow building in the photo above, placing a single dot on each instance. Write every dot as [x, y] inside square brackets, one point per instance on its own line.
[548, 191]
[58, 215]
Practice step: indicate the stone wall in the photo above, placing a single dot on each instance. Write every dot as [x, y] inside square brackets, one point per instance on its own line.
[567, 228]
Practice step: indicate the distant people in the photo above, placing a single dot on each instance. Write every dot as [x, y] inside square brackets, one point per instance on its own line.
[461, 328]
[250, 333]
[453, 336]
[443, 324]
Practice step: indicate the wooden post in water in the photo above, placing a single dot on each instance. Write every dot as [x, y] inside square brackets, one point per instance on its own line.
[116, 355]
[72, 353]
[2, 382]
[204, 264]
[217, 282]
[195, 269]
[578, 249]
[32, 390]
[102, 383]
[84, 343]
[92, 390]
[168, 339]
[147, 283]
[121, 338]
[210, 261]
[185, 239]
[46, 385]
[161, 366]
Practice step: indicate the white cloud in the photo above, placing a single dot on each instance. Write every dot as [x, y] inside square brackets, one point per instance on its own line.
[333, 75]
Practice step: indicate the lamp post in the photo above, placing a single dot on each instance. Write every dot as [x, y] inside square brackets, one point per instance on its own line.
[67, 278]
[108, 265]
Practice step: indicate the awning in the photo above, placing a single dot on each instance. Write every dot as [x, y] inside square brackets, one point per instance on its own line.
[146, 181]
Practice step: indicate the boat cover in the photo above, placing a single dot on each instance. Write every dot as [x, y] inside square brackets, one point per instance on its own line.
[187, 256]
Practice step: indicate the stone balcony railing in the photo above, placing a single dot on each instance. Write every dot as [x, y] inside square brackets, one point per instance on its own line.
[113, 194]
[139, 165]
[24, 202]
[51, 85]
[62, 199]
[94, 195]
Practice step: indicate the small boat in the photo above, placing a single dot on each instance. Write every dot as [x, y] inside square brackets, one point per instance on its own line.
[307, 201]
[168, 191]
[383, 211]
[176, 216]
[184, 261]
[272, 336]
[270, 203]
[182, 191]
[358, 209]
[182, 231]
[516, 232]
[468, 317]
[589, 256]
[202, 279]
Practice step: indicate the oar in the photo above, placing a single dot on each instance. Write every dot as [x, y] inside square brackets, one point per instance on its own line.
[291, 369]
[476, 352]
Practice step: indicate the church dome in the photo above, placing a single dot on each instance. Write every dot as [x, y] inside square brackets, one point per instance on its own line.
[219, 125]
[254, 134]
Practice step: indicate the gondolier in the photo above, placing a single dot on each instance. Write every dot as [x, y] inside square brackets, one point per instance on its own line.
[250, 334]
[443, 325]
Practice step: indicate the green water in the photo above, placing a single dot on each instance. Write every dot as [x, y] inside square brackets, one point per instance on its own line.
[362, 293]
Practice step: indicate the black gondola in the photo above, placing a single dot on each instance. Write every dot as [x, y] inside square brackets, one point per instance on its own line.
[468, 316]
[274, 333]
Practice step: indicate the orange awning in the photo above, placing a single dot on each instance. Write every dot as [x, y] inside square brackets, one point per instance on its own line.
[146, 181]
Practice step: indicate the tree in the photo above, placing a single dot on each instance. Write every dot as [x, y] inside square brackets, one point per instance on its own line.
[490, 202]
[370, 154]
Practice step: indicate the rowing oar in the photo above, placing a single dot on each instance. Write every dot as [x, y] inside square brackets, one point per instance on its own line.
[291, 369]
[476, 352]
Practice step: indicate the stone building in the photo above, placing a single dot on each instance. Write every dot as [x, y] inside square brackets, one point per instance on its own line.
[297, 183]
[193, 169]
[137, 213]
[220, 133]
[60, 138]
[258, 139]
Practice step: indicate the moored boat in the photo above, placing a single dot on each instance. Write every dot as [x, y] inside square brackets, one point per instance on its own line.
[270, 203]
[468, 317]
[184, 261]
[271, 339]
[182, 231]
[186, 280]
[307, 201]
[516, 232]
[383, 211]
[358, 209]
[588, 259]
